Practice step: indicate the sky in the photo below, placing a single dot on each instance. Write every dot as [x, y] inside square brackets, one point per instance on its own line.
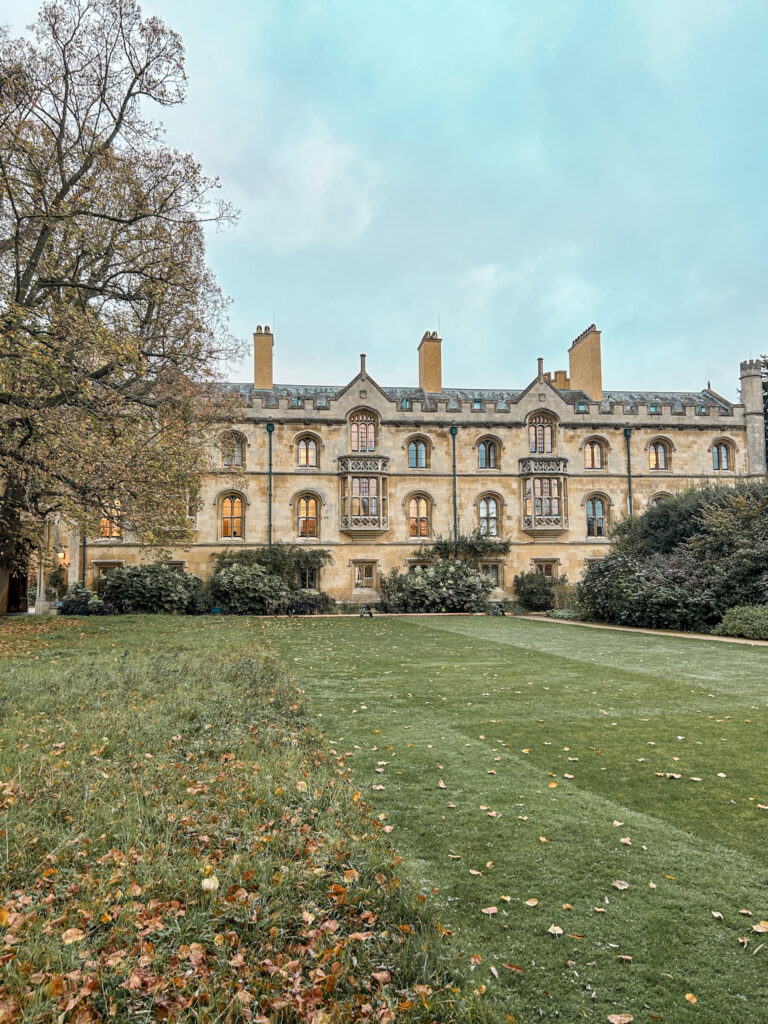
[502, 171]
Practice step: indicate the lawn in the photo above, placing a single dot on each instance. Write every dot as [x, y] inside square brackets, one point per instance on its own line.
[573, 759]
[524, 768]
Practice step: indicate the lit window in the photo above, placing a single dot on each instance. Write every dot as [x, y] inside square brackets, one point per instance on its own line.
[364, 575]
[489, 517]
[721, 456]
[362, 432]
[487, 455]
[593, 455]
[595, 517]
[231, 516]
[110, 527]
[418, 516]
[542, 497]
[658, 455]
[540, 435]
[417, 454]
[307, 452]
[307, 516]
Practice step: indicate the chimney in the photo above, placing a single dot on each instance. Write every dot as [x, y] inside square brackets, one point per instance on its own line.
[584, 364]
[430, 364]
[263, 342]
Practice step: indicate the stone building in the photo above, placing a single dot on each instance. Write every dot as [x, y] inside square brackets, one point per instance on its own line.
[370, 472]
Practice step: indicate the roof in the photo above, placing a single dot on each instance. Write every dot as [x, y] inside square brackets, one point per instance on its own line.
[503, 398]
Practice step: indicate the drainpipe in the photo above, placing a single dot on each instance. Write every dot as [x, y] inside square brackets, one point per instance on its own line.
[82, 560]
[454, 432]
[270, 431]
[627, 436]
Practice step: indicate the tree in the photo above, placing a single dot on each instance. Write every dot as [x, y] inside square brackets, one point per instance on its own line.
[112, 329]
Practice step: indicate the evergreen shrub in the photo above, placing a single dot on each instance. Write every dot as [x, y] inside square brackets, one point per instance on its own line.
[151, 589]
[247, 590]
[450, 585]
[747, 620]
[536, 592]
[80, 600]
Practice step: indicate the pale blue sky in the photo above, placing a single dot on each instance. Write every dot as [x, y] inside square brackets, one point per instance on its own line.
[510, 170]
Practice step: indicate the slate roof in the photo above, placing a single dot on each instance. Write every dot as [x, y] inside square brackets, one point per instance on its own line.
[321, 394]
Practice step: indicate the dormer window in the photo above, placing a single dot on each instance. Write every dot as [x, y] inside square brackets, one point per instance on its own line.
[654, 407]
[581, 407]
[477, 403]
[405, 403]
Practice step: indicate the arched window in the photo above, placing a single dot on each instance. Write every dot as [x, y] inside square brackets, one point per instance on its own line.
[597, 519]
[488, 454]
[489, 516]
[306, 453]
[541, 434]
[418, 516]
[306, 515]
[658, 455]
[232, 450]
[722, 456]
[362, 431]
[418, 454]
[231, 517]
[594, 455]
[658, 498]
[110, 527]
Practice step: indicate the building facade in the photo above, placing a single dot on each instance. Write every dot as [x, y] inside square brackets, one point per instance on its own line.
[369, 473]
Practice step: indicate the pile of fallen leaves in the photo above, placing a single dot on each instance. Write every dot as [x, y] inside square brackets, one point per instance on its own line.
[176, 844]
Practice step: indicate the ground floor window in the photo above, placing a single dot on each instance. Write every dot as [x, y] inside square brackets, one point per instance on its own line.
[365, 574]
[308, 579]
[491, 570]
[546, 568]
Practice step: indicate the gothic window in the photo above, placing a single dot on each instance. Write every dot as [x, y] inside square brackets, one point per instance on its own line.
[232, 450]
[306, 515]
[658, 498]
[658, 455]
[594, 455]
[722, 456]
[231, 520]
[489, 516]
[110, 527]
[540, 434]
[488, 454]
[365, 496]
[419, 508]
[418, 454]
[362, 431]
[597, 519]
[306, 453]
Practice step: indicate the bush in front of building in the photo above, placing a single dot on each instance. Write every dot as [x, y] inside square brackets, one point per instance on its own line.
[535, 591]
[151, 590]
[747, 620]
[80, 600]
[247, 590]
[449, 585]
[304, 602]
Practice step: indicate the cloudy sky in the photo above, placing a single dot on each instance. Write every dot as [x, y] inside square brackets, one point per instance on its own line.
[505, 171]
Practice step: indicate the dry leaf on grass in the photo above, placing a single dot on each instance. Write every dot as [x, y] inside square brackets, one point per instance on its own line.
[554, 930]
[690, 997]
[72, 935]
[618, 884]
[490, 910]
[532, 903]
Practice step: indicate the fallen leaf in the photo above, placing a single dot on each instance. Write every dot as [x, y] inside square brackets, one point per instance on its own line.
[717, 914]
[762, 928]
[532, 903]
[690, 997]
[626, 841]
[620, 1018]
[624, 958]
[554, 930]
[490, 910]
[542, 839]
[514, 968]
[745, 912]
[210, 884]
[618, 884]
[72, 935]
[441, 784]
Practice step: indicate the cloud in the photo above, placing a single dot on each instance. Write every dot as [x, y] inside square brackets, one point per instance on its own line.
[313, 190]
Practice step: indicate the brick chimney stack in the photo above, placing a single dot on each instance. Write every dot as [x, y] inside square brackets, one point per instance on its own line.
[585, 367]
[263, 344]
[430, 363]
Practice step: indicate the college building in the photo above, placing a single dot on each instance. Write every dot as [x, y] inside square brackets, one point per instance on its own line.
[370, 473]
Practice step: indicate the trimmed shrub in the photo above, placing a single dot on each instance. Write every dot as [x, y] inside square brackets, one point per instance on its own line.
[565, 614]
[303, 602]
[535, 591]
[747, 620]
[447, 586]
[151, 589]
[79, 600]
[247, 590]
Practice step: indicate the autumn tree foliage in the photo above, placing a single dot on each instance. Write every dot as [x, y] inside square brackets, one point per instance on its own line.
[112, 329]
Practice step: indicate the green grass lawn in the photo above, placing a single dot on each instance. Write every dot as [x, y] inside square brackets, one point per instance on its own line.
[554, 743]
